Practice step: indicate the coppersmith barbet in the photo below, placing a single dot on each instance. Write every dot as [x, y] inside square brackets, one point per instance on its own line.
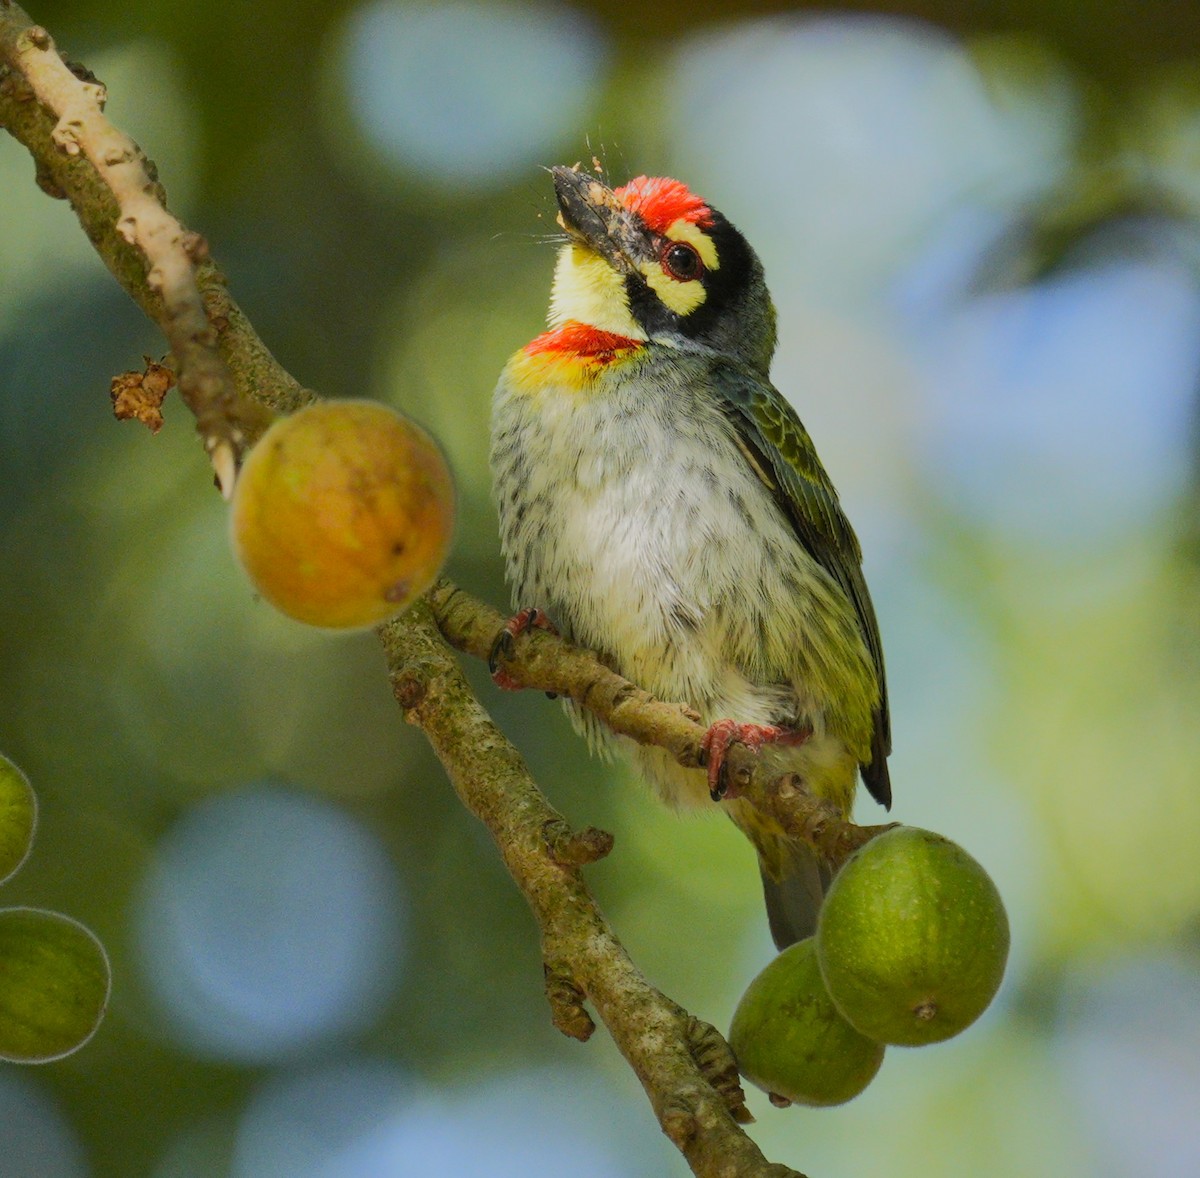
[664, 506]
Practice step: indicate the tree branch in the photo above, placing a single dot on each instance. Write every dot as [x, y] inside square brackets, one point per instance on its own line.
[546, 662]
[683, 1064]
[56, 111]
[225, 370]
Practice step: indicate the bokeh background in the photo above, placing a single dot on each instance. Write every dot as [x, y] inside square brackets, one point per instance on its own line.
[981, 224]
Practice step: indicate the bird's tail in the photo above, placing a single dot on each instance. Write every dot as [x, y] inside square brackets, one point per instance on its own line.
[793, 886]
[794, 878]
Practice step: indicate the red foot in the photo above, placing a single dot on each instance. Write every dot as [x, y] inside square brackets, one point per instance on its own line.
[723, 733]
[517, 625]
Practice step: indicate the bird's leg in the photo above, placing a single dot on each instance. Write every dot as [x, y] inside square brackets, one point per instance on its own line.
[517, 625]
[723, 733]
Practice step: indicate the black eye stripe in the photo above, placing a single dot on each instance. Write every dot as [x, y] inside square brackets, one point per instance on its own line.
[724, 288]
[681, 261]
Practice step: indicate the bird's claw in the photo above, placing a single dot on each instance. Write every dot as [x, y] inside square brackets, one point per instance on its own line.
[723, 733]
[521, 622]
[501, 649]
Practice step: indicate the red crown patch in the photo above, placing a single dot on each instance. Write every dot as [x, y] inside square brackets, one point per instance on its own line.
[661, 201]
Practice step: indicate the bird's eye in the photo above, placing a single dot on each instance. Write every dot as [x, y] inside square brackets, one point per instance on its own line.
[681, 261]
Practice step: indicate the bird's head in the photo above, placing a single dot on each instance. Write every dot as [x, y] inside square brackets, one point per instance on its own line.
[651, 260]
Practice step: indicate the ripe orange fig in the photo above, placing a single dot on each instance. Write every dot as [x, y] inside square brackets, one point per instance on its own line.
[342, 514]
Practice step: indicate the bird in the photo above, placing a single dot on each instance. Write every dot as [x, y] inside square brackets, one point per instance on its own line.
[661, 503]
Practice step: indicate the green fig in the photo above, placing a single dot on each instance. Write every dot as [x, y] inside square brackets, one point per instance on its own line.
[18, 817]
[912, 938]
[790, 1040]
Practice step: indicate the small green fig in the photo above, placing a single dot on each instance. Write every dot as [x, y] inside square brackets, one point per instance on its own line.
[789, 1039]
[18, 817]
[912, 938]
[54, 985]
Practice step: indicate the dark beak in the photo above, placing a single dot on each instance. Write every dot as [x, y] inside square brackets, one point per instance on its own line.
[592, 214]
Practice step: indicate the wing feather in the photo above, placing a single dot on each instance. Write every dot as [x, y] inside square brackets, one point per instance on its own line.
[781, 452]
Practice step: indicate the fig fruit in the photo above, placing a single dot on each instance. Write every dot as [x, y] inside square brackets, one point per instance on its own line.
[342, 513]
[789, 1039]
[912, 938]
[18, 817]
[54, 985]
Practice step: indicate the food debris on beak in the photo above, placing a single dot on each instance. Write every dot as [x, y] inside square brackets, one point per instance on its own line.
[593, 214]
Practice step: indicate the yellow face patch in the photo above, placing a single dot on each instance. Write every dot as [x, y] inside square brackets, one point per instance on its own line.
[682, 297]
[586, 288]
[700, 241]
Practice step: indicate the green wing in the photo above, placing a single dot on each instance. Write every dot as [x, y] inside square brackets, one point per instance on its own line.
[778, 447]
